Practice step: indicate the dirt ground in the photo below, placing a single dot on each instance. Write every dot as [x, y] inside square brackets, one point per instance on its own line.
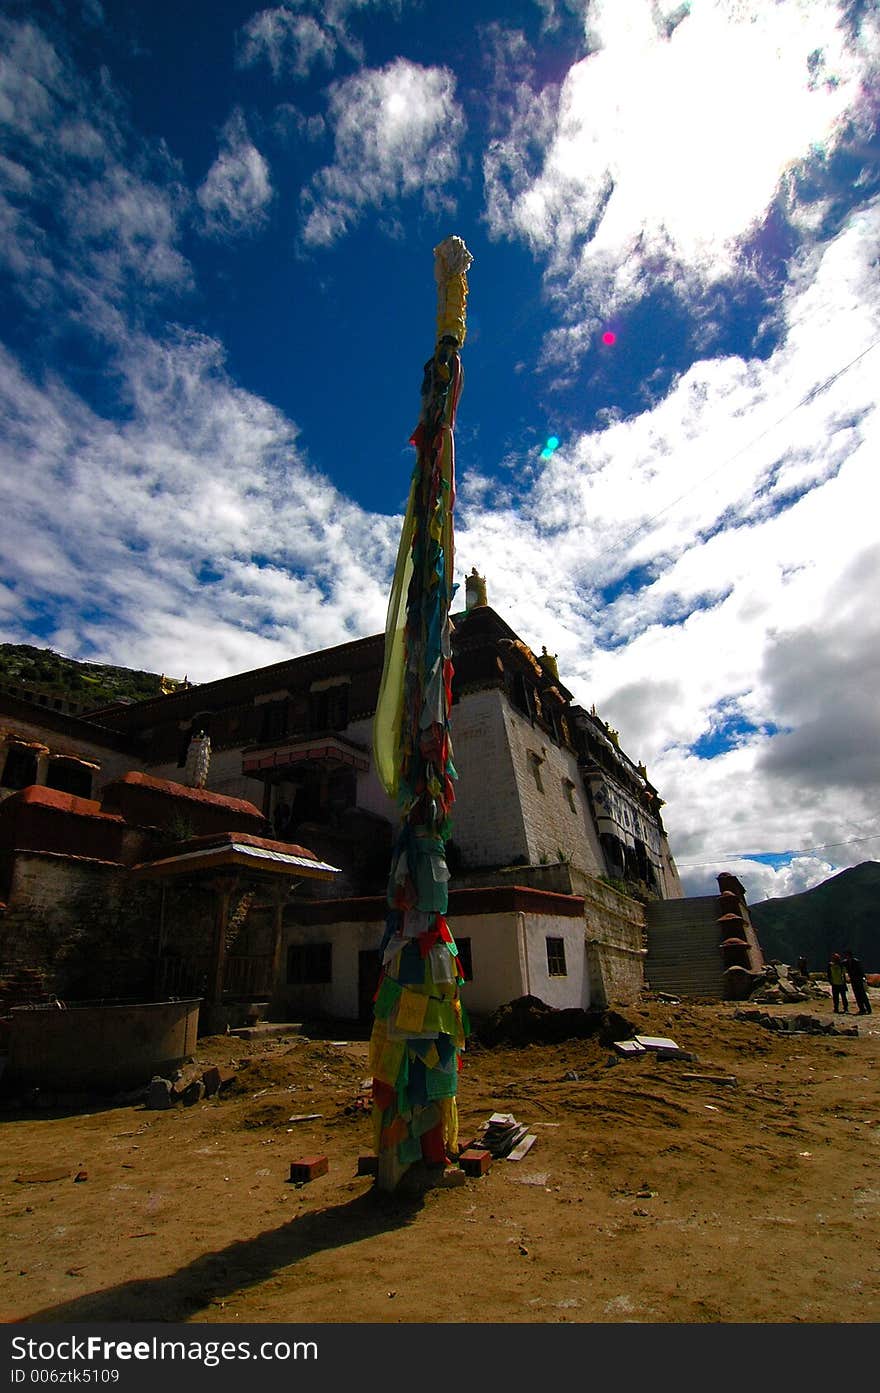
[649, 1196]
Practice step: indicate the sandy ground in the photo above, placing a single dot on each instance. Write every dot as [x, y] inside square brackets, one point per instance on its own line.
[647, 1197]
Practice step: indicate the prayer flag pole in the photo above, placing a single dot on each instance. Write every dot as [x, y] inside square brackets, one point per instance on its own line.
[419, 1025]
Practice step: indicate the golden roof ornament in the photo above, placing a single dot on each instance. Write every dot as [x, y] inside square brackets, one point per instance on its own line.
[475, 590]
[548, 662]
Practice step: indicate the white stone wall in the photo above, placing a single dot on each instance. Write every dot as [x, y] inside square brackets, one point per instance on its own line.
[672, 886]
[487, 821]
[552, 825]
[370, 794]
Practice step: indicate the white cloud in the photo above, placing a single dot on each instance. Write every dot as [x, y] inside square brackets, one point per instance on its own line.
[760, 881]
[741, 510]
[116, 521]
[85, 226]
[292, 44]
[396, 134]
[667, 148]
[237, 190]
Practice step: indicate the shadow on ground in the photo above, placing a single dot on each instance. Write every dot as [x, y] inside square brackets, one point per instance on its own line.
[181, 1294]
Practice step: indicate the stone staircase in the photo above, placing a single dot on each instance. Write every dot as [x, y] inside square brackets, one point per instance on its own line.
[684, 956]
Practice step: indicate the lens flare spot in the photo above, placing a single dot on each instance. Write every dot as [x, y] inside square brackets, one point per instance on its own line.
[609, 337]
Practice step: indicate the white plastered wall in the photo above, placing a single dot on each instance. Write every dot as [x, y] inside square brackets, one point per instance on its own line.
[487, 821]
[508, 956]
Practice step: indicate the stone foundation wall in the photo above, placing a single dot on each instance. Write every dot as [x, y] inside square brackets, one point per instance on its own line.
[616, 947]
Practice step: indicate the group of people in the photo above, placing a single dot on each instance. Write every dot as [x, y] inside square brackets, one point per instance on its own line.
[840, 968]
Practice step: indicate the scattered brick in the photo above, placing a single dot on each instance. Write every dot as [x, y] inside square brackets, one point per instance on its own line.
[475, 1161]
[308, 1168]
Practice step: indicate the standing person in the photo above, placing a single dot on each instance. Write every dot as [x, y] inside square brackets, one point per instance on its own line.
[802, 964]
[856, 974]
[837, 978]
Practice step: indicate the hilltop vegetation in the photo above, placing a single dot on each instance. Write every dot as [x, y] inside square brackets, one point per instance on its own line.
[843, 912]
[90, 685]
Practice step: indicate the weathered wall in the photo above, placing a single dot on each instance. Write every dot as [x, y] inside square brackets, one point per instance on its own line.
[616, 944]
[557, 817]
[80, 924]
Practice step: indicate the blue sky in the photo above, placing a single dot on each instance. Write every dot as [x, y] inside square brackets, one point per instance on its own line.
[217, 296]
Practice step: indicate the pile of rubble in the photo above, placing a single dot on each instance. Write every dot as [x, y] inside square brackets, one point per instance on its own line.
[796, 1025]
[783, 983]
[165, 1093]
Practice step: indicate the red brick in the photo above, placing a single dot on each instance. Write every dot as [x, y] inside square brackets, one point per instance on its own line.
[309, 1168]
[475, 1161]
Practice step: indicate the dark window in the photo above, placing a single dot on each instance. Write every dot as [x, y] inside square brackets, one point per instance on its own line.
[464, 958]
[341, 790]
[329, 708]
[309, 963]
[68, 776]
[275, 720]
[520, 695]
[20, 769]
[556, 957]
[614, 853]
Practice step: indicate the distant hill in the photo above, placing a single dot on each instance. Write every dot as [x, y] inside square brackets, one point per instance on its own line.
[843, 912]
[39, 674]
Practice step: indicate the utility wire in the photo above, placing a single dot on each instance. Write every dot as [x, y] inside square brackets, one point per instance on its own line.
[750, 855]
[814, 392]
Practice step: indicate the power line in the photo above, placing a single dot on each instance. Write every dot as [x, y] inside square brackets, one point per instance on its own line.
[814, 392]
[750, 855]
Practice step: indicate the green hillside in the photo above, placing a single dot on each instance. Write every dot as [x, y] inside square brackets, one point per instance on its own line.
[843, 912]
[90, 685]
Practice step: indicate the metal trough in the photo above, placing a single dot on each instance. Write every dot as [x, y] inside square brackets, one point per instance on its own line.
[99, 1047]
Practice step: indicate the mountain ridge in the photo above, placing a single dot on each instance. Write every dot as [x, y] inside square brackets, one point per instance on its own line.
[42, 675]
[841, 912]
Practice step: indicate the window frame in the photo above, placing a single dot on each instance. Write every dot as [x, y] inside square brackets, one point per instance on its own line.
[555, 947]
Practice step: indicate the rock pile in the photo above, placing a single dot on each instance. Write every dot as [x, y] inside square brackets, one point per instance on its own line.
[795, 1025]
[784, 983]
